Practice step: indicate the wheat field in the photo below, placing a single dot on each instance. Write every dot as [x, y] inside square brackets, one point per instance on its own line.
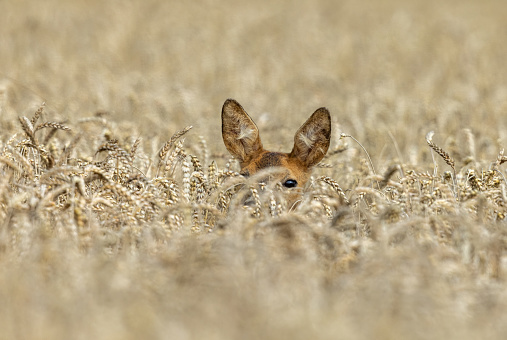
[121, 212]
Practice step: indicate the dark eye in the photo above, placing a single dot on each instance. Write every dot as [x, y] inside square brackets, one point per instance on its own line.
[290, 183]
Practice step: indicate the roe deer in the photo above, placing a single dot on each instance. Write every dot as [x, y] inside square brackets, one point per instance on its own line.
[311, 142]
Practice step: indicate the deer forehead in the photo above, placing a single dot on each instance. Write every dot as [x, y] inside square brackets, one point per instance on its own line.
[269, 159]
[292, 166]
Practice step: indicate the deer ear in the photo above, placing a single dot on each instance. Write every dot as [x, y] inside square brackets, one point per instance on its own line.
[312, 139]
[239, 132]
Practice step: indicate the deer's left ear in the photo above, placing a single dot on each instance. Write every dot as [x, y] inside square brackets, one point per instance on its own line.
[312, 139]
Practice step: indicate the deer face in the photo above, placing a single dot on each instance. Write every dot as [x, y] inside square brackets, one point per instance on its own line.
[311, 142]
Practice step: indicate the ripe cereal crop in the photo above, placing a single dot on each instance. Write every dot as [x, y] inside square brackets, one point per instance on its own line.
[123, 215]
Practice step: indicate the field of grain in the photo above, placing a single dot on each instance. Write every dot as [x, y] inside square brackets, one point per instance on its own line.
[119, 221]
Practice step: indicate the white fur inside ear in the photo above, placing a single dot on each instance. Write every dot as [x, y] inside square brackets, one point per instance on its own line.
[308, 137]
[246, 132]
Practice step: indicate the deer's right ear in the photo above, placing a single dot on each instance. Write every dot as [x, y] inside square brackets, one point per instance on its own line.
[239, 132]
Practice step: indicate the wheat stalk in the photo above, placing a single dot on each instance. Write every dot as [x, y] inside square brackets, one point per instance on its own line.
[445, 156]
[38, 113]
[53, 125]
[68, 149]
[165, 148]
[134, 147]
[335, 186]
[257, 202]
[27, 126]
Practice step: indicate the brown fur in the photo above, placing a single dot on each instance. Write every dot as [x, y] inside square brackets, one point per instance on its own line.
[311, 142]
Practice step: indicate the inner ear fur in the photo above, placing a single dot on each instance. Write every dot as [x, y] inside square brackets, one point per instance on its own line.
[239, 132]
[311, 141]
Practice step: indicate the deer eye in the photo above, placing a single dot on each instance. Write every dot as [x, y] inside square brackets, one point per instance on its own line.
[290, 183]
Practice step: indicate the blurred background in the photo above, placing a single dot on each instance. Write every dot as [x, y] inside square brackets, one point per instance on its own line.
[381, 67]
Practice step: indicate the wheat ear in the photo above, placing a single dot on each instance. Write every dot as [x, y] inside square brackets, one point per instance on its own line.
[170, 142]
[446, 157]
